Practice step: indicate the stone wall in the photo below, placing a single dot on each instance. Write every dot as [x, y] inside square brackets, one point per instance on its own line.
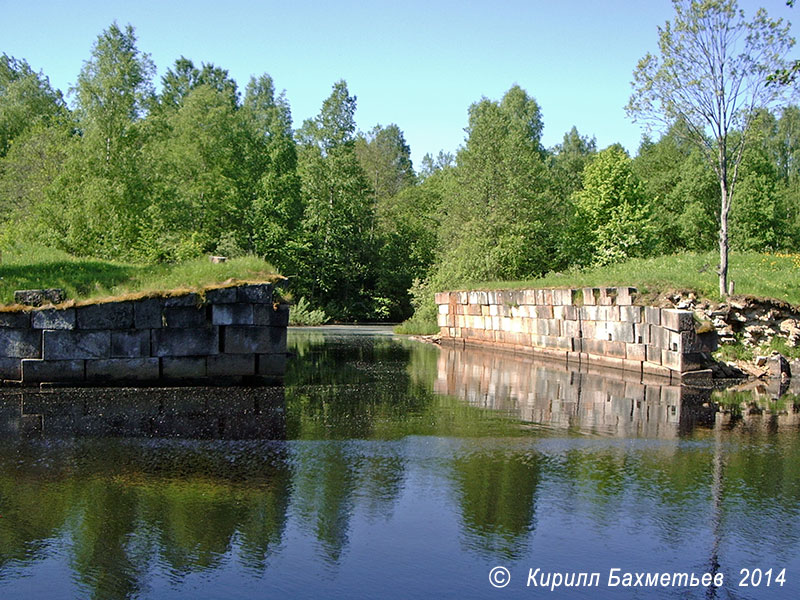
[225, 334]
[590, 326]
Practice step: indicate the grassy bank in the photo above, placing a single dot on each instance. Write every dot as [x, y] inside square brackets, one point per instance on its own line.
[31, 267]
[755, 274]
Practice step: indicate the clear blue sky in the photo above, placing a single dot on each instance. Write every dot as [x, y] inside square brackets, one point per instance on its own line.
[419, 64]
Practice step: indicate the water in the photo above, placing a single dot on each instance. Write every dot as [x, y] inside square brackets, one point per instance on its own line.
[386, 468]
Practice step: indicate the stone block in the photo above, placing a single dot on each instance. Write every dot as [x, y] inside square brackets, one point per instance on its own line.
[130, 343]
[636, 352]
[241, 339]
[625, 295]
[110, 315]
[52, 318]
[271, 365]
[589, 296]
[529, 297]
[229, 295]
[185, 316]
[541, 312]
[653, 355]
[186, 367]
[571, 328]
[607, 296]
[641, 333]
[40, 297]
[652, 315]
[562, 297]
[565, 313]
[672, 360]
[656, 374]
[199, 341]
[189, 299]
[15, 319]
[659, 337]
[147, 313]
[223, 365]
[620, 332]
[66, 345]
[677, 320]
[632, 366]
[260, 293]
[278, 317]
[463, 298]
[630, 314]
[11, 369]
[52, 371]
[589, 313]
[20, 343]
[439, 297]
[123, 369]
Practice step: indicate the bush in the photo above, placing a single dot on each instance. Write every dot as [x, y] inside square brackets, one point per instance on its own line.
[302, 314]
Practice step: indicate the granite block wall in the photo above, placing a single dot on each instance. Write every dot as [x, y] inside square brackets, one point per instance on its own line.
[599, 326]
[228, 334]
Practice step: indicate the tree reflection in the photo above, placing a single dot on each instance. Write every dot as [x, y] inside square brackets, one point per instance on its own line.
[497, 497]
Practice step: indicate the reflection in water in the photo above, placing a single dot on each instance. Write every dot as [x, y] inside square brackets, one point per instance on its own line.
[612, 403]
[388, 461]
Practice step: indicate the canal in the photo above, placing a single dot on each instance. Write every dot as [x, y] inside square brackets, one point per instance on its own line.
[388, 468]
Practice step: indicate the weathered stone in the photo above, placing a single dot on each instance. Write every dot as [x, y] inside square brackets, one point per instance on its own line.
[199, 341]
[278, 318]
[20, 343]
[56, 371]
[40, 297]
[226, 295]
[53, 318]
[641, 333]
[241, 339]
[230, 364]
[677, 320]
[189, 367]
[630, 314]
[778, 367]
[17, 319]
[702, 377]
[620, 332]
[652, 315]
[653, 355]
[589, 296]
[123, 369]
[110, 315]
[147, 313]
[636, 352]
[260, 293]
[190, 299]
[271, 365]
[10, 368]
[185, 316]
[625, 296]
[439, 297]
[132, 343]
[66, 345]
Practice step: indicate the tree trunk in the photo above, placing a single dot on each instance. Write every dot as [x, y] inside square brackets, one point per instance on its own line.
[723, 242]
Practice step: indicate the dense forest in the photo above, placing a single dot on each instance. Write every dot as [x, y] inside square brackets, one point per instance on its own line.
[137, 172]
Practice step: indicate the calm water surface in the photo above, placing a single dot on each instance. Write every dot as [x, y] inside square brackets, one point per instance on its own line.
[386, 468]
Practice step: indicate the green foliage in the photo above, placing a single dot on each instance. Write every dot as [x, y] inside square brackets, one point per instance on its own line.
[302, 314]
[612, 214]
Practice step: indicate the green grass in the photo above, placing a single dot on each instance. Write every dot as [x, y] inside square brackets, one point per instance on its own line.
[756, 274]
[32, 267]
